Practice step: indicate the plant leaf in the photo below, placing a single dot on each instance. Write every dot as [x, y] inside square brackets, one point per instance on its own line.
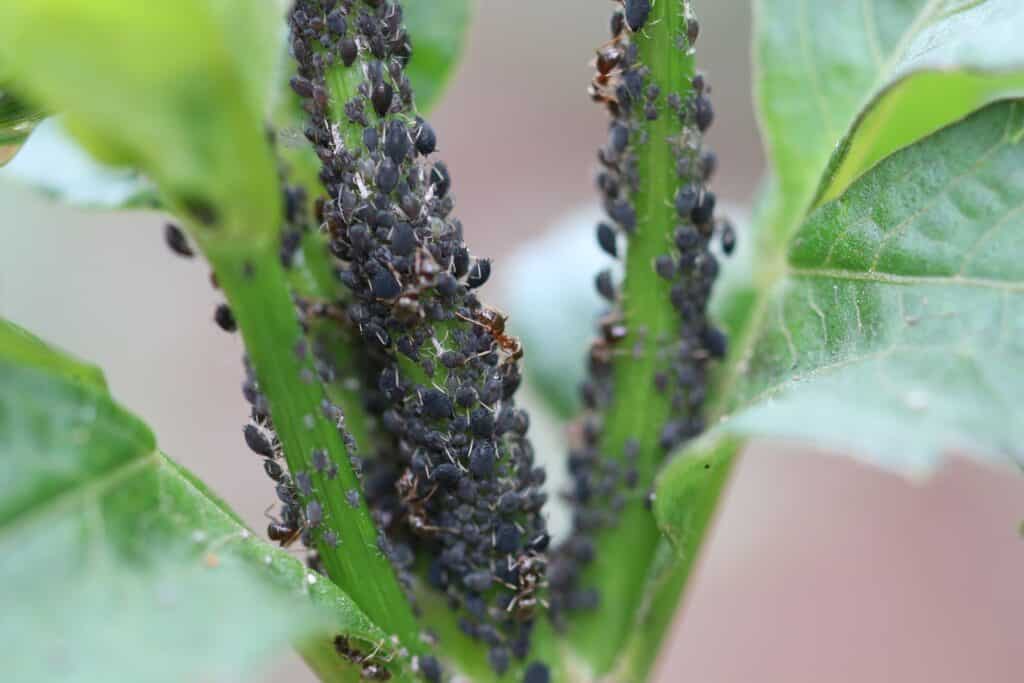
[867, 78]
[17, 119]
[106, 541]
[438, 29]
[55, 164]
[176, 90]
[894, 327]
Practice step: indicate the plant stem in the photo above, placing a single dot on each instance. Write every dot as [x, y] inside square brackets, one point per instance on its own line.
[625, 551]
[319, 281]
[257, 289]
[685, 515]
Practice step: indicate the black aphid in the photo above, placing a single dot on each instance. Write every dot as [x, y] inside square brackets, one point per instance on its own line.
[382, 94]
[273, 469]
[385, 285]
[692, 31]
[708, 165]
[301, 86]
[403, 239]
[426, 139]
[728, 238]
[337, 23]
[437, 405]
[537, 672]
[387, 176]
[702, 213]
[606, 240]
[320, 460]
[704, 113]
[224, 318]
[176, 241]
[637, 12]
[686, 199]
[617, 24]
[258, 441]
[430, 668]
[715, 341]
[665, 266]
[479, 273]
[605, 286]
[618, 138]
[304, 483]
[499, 659]
[314, 513]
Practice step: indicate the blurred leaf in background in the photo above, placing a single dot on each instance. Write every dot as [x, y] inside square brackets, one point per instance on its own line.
[177, 91]
[17, 119]
[119, 564]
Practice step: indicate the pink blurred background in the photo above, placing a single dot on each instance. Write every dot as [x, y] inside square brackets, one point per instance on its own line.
[818, 569]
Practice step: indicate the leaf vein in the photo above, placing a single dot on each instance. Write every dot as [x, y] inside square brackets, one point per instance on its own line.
[87, 491]
[896, 279]
[900, 228]
[812, 71]
[972, 252]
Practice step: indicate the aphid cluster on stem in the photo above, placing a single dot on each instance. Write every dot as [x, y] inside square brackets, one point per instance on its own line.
[299, 512]
[296, 519]
[455, 482]
[636, 101]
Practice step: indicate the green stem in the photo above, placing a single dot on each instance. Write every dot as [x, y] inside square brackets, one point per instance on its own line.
[626, 551]
[686, 516]
[257, 290]
[314, 276]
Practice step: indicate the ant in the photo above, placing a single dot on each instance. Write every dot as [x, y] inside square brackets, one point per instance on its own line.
[494, 322]
[406, 486]
[285, 531]
[530, 568]
[372, 668]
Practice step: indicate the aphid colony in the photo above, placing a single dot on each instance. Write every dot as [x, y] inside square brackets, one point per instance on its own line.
[636, 101]
[454, 483]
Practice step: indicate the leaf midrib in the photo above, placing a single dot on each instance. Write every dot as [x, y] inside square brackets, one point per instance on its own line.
[882, 277]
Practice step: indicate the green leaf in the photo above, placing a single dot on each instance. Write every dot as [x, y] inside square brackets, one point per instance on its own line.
[894, 326]
[884, 322]
[106, 541]
[51, 162]
[177, 90]
[870, 77]
[438, 29]
[54, 163]
[17, 119]
[23, 348]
